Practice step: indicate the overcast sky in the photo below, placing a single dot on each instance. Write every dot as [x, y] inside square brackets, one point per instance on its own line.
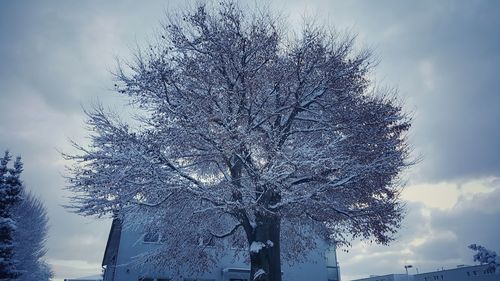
[55, 57]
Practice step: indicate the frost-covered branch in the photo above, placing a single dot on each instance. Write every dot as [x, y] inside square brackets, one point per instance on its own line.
[485, 256]
[229, 233]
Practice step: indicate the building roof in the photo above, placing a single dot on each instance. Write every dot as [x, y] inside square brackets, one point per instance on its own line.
[113, 242]
[87, 278]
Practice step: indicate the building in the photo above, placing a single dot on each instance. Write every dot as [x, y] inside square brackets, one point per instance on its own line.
[123, 245]
[460, 273]
[388, 277]
[88, 278]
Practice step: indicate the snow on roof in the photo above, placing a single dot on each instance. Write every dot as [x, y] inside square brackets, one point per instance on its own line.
[86, 278]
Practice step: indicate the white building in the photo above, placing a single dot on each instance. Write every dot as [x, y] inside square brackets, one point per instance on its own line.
[388, 277]
[123, 245]
[460, 273]
[88, 278]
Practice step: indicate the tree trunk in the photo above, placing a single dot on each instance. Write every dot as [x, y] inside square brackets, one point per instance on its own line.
[265, 262]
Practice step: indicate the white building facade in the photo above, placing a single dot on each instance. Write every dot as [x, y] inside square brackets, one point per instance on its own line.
[123, 245]
[388, 277]
[460, 273]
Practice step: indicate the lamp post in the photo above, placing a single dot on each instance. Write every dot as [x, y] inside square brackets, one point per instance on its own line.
[406, 268]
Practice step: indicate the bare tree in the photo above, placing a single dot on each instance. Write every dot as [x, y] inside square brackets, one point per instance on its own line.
[486, 256]
[249, 136]
[30, 239]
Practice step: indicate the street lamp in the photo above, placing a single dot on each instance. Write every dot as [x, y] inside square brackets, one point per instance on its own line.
[406, 268]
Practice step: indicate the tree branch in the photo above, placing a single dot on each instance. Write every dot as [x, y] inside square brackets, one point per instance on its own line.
[231, 232]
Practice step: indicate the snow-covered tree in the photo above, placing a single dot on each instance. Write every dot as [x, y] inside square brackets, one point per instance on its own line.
[249, 136]
[485, 256]
[23, 228]
[30, 238]
[10, 191]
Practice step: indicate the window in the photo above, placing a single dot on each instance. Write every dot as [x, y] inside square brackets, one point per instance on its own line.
[163, 239]
[151, 237]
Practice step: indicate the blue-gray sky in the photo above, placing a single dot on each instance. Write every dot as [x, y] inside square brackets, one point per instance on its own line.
[55, 56]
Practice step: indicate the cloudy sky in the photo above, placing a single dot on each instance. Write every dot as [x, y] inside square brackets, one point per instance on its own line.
[55, 57]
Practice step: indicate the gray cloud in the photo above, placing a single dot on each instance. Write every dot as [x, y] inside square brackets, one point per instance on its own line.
[55, 57]
[443, 58]
[431, 238]
[473, 220]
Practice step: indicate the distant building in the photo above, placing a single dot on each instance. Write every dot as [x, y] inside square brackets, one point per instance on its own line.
[388, 277]
[461, 273]
[123, 245]
[88, 278]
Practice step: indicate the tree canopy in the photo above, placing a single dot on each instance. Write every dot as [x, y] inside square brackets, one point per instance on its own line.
[23, 227]
[249, 136]
[30, 238]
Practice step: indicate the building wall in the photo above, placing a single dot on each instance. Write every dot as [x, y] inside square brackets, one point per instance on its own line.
[388, 277]
[85, 279]
[465, 273]
[320, 265]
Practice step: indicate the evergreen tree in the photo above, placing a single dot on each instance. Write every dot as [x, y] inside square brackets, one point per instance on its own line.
[10, 195]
